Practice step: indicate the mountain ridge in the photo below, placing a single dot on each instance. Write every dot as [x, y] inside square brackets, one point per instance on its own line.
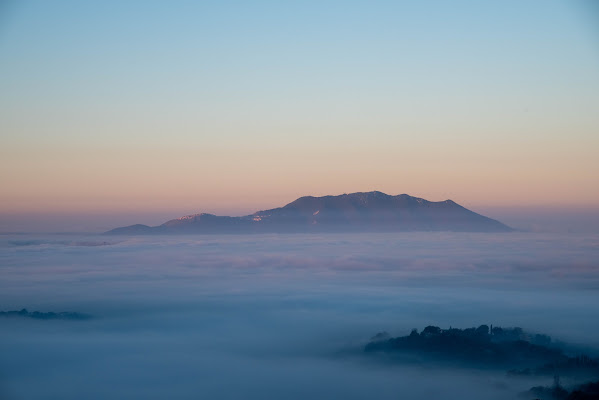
[354, 212]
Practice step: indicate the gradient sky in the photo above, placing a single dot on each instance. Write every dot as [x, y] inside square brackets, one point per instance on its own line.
[232, 106]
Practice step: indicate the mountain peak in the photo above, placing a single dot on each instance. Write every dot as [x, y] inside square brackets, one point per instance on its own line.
[354, 212]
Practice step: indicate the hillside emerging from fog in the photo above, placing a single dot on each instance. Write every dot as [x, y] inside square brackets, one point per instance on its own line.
[355, 212]
[523, 353]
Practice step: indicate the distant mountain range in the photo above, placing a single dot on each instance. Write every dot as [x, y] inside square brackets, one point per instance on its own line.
[355, 212]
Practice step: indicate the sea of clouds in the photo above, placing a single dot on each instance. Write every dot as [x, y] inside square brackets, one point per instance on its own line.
[278, 316]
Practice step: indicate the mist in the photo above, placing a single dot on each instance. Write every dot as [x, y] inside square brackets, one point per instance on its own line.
[278, 316]
[539, 219]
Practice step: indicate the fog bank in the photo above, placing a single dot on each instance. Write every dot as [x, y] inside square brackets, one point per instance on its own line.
[277, 316]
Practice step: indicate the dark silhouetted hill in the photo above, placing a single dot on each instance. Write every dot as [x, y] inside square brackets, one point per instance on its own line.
[512, 348]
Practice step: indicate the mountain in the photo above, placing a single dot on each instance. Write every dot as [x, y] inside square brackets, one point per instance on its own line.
[355, 212]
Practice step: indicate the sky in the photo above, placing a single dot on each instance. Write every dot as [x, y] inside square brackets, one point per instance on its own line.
[149, 108]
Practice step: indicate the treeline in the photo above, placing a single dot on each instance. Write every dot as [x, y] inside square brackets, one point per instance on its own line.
[585, 391]
[44, 315]
[521, 352]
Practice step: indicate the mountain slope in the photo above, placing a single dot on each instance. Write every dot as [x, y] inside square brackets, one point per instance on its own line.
[355, 212]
